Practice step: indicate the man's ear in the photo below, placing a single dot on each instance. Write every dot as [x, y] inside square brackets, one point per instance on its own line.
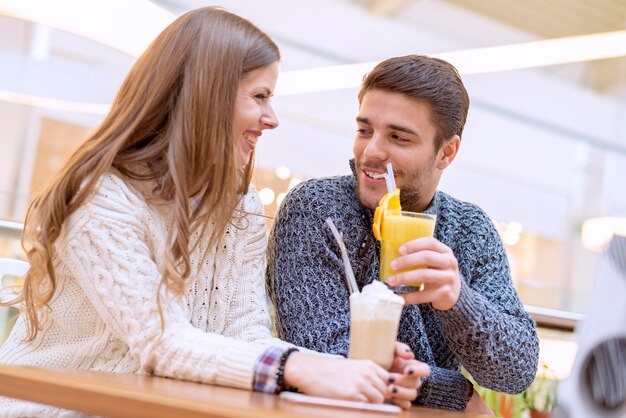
[447, 152]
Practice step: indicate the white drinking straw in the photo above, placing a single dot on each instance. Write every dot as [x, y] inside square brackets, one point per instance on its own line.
[344, 256]
[389, 180]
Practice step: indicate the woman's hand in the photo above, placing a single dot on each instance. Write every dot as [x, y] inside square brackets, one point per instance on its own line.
[405, 377]
[354, 380]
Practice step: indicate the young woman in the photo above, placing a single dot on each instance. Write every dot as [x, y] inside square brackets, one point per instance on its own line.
[147, 250]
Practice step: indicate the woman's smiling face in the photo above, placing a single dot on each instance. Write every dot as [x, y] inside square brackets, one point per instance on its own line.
[253, 110]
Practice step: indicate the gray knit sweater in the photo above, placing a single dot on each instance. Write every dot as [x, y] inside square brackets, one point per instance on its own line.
[487, 331]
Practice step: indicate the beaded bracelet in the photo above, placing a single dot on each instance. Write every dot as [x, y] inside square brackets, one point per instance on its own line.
[280, 372]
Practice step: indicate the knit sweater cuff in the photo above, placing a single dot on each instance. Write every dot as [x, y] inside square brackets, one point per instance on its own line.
[464, 313]
[238, 364]
[445, 389]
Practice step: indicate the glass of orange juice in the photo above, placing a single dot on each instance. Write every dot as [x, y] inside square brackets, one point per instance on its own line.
[398, 228]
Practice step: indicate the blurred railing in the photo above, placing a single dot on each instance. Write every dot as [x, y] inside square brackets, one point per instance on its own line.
[11, 229]
[545, 317]
[554, 318]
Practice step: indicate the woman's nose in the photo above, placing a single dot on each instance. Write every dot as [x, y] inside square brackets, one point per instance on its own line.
[269, 119]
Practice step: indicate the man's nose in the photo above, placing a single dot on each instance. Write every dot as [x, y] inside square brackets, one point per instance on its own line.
[376, 149]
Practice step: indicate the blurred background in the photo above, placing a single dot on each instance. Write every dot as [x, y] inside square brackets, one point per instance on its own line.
[543, 152]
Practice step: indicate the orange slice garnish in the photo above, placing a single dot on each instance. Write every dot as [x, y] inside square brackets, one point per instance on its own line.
[390, 202]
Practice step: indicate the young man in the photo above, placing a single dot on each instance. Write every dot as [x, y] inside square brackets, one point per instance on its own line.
[412, 113]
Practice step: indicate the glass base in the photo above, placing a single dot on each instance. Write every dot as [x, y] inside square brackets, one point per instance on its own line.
[403, 289]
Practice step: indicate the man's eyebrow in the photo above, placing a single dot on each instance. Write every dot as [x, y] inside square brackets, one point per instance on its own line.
[402, 129]
[394, 127]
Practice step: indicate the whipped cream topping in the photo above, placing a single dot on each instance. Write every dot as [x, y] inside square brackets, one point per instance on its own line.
[377, 292]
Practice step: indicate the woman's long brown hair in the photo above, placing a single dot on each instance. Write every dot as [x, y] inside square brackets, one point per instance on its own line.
[173, 114]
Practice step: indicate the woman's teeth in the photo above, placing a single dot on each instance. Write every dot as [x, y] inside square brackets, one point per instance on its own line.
[251, 138]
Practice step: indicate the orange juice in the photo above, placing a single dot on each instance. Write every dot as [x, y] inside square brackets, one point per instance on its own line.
[397, 229]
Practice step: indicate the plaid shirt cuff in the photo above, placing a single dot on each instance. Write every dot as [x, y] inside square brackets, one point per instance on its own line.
[265, 370]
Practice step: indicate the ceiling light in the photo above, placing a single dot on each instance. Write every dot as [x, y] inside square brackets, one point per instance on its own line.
[538, 53]
[266, 195]
[283, 172]
[469, 61]
[64, 105]
[137, 22]
[515, 227]
[510, 237]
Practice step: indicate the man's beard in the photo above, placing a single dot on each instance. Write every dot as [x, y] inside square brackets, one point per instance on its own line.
[410, 198]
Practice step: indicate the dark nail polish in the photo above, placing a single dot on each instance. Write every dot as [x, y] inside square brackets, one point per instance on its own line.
[411, 371]
[395, 389]
[392, 379]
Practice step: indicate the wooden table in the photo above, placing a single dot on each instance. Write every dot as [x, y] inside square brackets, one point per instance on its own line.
[130, 395]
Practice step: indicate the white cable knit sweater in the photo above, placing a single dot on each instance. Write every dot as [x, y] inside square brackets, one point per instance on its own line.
[104, 315]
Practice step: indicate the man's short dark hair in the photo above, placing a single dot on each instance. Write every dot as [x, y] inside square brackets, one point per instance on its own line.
[430, 80]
